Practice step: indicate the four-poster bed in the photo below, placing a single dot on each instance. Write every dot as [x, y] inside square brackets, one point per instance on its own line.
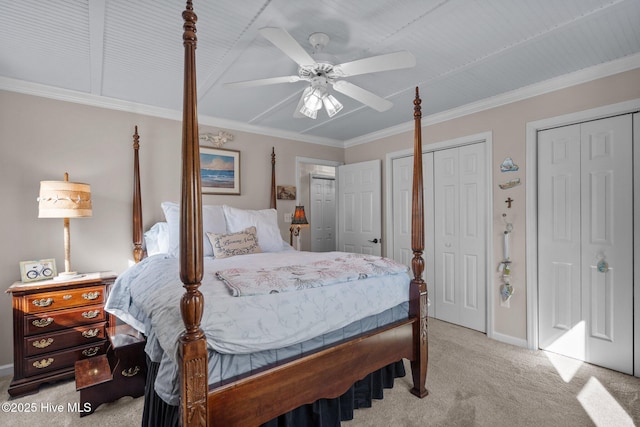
[326, 372]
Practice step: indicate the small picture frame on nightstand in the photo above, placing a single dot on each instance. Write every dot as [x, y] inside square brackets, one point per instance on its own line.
[32, 271]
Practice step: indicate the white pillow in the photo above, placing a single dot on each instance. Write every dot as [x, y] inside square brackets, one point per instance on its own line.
[265, 221]
[156, 239]
[212, 221]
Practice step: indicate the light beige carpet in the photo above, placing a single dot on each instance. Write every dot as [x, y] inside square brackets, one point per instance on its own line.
[472, 380]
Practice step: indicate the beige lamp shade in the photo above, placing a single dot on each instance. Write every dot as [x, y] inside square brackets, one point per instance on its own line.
[64, 199]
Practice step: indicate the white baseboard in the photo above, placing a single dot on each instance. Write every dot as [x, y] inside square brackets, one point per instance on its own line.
[6, 370]
[509, 339]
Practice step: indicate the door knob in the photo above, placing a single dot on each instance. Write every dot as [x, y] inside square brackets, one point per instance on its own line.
[376, 241]
[603, 265]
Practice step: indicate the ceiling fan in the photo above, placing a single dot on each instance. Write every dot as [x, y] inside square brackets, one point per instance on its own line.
[321, 73]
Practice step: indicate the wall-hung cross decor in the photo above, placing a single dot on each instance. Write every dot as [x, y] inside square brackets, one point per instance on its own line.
[508, 202]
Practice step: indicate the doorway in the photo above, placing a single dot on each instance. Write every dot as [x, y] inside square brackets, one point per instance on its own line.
[306, 168]
[322, 213]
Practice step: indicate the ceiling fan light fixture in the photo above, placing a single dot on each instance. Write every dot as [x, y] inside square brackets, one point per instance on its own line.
[313, 100]
[332, 105]
[312, 114]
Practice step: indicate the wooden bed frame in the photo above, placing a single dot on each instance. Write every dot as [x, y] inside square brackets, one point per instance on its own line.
[324, 373]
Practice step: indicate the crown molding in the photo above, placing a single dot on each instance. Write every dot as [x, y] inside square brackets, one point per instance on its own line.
[68, 95]
[266, 131]
[582, 76]
[77, 97]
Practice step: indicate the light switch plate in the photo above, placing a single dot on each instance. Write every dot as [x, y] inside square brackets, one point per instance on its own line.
[287, 217]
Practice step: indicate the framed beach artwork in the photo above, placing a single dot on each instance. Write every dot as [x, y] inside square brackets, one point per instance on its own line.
[219, 171]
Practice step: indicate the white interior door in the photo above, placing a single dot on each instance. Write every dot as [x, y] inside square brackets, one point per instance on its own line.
[561, 329]
[455, 232]
[323, 214]
[459, 240]
[585, 260]
[402, 186]
[360, 208]
[402, 191]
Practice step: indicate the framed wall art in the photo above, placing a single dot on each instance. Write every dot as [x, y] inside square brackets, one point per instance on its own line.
[219, 171]
[44, 269]
[286, 192]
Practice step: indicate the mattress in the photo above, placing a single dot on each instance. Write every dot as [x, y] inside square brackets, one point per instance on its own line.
[247, 332]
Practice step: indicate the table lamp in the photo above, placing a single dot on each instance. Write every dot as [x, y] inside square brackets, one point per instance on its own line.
[299, 220]
[64, 199]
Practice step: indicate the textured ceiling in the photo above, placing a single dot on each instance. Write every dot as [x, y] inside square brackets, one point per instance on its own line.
[466, 51]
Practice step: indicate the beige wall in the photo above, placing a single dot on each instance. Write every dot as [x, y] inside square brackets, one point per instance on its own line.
[40, 139]
[508, 124]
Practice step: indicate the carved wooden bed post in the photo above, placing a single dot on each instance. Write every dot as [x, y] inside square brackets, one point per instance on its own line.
[418, 291]
[138, 252]
[272, 205]
[193, 345]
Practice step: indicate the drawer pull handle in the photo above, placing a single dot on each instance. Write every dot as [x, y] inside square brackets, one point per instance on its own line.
[90, 314]
[43, 363]
[91, 295]
[90, 333]
[42, 323]
[91, 351]
[43, 343]
[43, 302]
[131, 371]
[67, 297]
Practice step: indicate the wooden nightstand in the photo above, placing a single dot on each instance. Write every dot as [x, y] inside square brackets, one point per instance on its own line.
[56, 323]
[121, 372]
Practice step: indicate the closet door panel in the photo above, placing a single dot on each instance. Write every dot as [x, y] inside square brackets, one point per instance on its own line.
[607, 241]
[560, 324]
[459, 183]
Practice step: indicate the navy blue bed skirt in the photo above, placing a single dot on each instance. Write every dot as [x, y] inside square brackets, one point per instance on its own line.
[321, 413]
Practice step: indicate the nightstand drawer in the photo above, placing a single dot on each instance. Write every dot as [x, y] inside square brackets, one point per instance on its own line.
[56, 323]
[62, 359]
[55, 341]
[48, 301]
[53, 321]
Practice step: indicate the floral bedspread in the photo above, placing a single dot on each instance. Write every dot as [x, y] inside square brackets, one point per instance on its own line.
[343, 268]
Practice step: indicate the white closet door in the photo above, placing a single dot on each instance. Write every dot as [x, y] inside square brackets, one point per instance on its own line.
[322, 216]
[402, 185]
[607, 235]
[585, 222]
[459, 189]
[429, 229]
[402, 192]
[560, 328]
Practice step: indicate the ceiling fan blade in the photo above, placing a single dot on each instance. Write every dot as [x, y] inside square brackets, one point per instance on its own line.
[264, 82]
[283, 41]
[371, 99]
[375, 64]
